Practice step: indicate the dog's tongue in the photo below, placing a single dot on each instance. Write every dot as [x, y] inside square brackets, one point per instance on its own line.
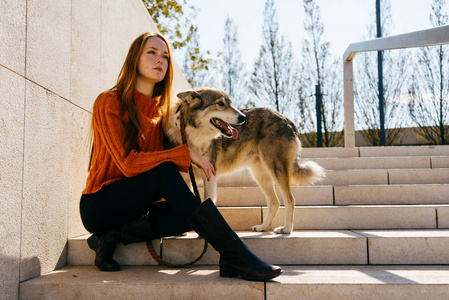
[235, 132]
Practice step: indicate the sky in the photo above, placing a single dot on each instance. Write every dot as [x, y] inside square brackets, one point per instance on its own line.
[345, 22]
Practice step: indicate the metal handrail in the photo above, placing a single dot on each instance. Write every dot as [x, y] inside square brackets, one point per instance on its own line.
[429, 37]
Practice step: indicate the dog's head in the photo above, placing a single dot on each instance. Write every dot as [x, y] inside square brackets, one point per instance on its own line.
[211, 110]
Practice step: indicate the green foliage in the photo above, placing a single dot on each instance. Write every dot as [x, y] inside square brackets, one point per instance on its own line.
[173, 19]
[170, 19]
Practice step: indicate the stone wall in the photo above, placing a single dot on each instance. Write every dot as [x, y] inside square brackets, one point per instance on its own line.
[55, 58]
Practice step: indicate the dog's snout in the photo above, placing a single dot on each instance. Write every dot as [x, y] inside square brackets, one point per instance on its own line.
[242, 118]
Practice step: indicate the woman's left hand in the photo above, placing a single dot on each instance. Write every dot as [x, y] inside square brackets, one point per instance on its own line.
[202, 163]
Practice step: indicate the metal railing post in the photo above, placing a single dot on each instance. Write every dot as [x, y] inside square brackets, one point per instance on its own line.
[349, 104]
[423, 38]
[319, 132]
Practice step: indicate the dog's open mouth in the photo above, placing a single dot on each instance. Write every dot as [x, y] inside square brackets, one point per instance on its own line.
[225, 128]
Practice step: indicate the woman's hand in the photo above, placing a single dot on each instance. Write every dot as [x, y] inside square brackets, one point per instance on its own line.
[202, 163]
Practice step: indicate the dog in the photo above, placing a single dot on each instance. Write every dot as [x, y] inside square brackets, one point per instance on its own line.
[259, 138]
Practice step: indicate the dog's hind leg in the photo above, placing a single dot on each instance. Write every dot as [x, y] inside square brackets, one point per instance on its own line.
[265, 182]
[289, 202]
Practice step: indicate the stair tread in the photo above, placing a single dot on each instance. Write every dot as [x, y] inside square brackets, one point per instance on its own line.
[374, 233]
[149, 275]
[202, 282]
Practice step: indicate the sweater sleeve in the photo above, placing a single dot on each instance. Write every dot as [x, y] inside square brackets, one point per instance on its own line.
[135, 163]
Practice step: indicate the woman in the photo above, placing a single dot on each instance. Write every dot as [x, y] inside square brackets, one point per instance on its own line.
[130, 170]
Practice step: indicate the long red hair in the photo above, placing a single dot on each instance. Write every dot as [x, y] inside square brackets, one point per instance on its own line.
[125, 85]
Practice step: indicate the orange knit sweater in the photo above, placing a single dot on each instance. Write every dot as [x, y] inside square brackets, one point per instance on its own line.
[109, 165]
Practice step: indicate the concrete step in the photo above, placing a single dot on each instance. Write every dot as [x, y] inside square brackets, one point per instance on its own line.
[344, 217]
[361, 282]
[346, 177]
[358, 163]
[253, 196]
[340, 195]
[329, 152]
[336, 247]
[407, 246]
[350, 217]
[404, 151]
[419, 176]
[392, 194]
[375, 151]
[349, 282]
[302, 247]
[354, 177]
[440, 162]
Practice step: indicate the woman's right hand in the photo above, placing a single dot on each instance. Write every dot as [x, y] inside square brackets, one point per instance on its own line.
[202, 163]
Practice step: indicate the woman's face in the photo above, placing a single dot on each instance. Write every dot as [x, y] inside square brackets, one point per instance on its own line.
[153, 62]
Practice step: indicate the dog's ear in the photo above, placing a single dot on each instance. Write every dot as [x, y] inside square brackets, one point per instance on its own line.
[192, 98]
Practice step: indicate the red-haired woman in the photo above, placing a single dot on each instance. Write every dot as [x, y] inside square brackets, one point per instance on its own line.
[130, 170]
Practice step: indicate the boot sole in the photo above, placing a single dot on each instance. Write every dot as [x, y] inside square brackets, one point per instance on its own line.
[229, 273]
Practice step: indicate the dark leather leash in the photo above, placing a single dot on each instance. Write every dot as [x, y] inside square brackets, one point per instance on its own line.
[153, 253]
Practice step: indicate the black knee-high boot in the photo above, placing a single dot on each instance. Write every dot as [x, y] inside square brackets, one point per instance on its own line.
[104, 247]
[137, 231]
[235, 257]
[158, 222]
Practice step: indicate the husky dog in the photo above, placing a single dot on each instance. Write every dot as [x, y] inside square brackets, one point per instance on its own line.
[259, 138]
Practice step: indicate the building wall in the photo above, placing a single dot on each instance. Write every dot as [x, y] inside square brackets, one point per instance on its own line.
[55, 58]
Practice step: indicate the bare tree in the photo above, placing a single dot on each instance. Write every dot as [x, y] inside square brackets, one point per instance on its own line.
[429, 107]
[318, 67]
[232, 68]
[273, 78]
[366, 92]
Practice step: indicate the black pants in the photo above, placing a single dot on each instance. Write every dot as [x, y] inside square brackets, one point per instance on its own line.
[130, 198]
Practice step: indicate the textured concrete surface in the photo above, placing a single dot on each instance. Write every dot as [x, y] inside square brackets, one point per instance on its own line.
[360, 217]
[443, 217]
[203, 282]
[440, 162]
[361, 282]
[79, 253]
[407, 246]
[86, 52]
[48, 45]
[392, 194]
[12, 34]
[404, 151]
[373, 163]
[54, 167]
[12, 89]
[253, 196]
[329, 152]
[242, 218]
[419, 176]
[299, 247]
[139, 283]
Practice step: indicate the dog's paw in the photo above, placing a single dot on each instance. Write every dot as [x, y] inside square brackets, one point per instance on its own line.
[282, 230]
[257, 228]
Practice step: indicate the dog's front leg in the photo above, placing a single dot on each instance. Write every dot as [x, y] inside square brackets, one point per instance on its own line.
[210, 188]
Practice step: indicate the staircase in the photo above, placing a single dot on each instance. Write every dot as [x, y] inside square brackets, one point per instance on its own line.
[376, 228]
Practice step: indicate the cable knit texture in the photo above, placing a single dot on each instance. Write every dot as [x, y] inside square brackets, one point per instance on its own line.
[109, 162]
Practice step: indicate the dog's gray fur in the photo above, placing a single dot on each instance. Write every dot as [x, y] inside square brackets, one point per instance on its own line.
[268, 143]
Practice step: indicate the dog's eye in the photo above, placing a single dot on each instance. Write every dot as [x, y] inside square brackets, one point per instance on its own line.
[221, 103]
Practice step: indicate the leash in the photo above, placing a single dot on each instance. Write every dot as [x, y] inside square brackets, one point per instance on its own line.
[153, 253]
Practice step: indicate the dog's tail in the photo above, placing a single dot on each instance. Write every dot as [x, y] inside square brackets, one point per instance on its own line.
[307, 172]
